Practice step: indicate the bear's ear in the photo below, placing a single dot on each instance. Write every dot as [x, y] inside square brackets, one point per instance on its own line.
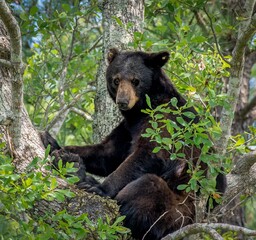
[158, 59]
[112, 53]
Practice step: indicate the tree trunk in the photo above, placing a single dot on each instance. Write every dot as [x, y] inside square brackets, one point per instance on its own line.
[237, 97]
[116, 15]
[30, 144]
[245, 116]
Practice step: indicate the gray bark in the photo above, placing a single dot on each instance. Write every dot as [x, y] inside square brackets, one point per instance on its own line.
[128, 11]
[15, 62]
[247, 29]
[245, 116]
[29, 144]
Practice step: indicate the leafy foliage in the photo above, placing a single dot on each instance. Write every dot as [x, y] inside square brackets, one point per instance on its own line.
[61, 65]
[19, 193]
[185, 133]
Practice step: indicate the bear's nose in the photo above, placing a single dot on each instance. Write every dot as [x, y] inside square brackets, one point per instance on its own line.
[122, 104]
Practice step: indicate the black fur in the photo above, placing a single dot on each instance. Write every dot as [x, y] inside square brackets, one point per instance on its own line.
[143, 183]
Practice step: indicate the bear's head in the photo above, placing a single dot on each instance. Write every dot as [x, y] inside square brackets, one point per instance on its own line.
[131, 75]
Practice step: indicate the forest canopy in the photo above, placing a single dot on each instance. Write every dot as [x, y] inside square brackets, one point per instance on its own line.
[212, 63]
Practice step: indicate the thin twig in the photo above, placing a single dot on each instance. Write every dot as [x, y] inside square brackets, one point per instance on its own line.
[200, 21]
[222, 208]
[215, 37]
[182, 217]
[68, 106]
[154, 224]
[95, 44]
[68, 57]
[82, 113]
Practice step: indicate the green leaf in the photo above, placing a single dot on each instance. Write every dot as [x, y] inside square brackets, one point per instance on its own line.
[59, 196]
[148, 101]
[33, 10]
[73, 180]
[193, 184]
[118, 21]
[154, 125]
[28, 182]
[146, 135]
[15, 177]
[66, 7]
[182, 187]
[62, 15]
[60, 164]
[188, 189]
[119, 220]
[191, 89]
[53, 184]
[69, 194]
[174, 102]
[54, 51]
[159, 116]
[181, 121]
[146, 111]
[150, 131]
[178, 146]
[156, 149]
[197, 140]
[189, 115]
[47, 151]
[181, 155]
[24, 16]
[198, 39]
[240, 142]
[167, 141]
[169, 127]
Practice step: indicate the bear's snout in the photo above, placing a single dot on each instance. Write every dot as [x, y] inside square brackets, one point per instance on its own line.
[122, 103]
[126, 96]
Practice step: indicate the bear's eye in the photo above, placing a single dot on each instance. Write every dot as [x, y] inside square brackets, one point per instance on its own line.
[135, 82]
[116, 81]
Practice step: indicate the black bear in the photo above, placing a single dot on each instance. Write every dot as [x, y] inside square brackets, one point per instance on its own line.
[143, 183]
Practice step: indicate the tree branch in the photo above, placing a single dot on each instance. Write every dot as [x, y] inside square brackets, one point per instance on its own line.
[242, 180]
[68, 106]
[193, 229]
[201, 22]
[244, 164]
[246, 31]
[14, 32]
[210, 229]
[62, 80]
[215, 37]
[81, 113]
[247, 108]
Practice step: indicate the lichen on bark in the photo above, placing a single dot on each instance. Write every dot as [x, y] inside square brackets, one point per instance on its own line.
[116, 14]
